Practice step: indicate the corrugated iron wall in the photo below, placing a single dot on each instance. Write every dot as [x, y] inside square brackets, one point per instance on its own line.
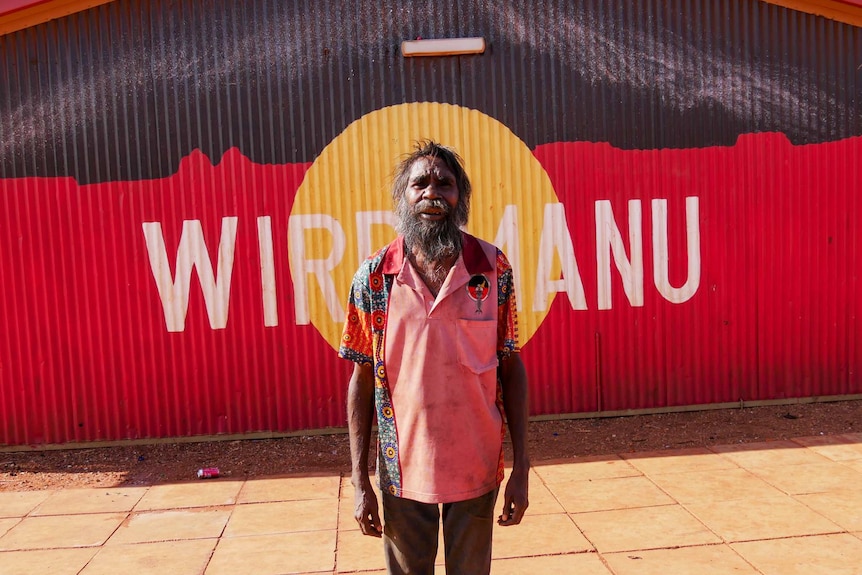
[187, 187]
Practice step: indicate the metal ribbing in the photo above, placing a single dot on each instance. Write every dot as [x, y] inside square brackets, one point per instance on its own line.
[136, 112]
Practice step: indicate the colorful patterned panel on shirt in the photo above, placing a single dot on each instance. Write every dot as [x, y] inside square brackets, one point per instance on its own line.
[362, 342]
[507, 316]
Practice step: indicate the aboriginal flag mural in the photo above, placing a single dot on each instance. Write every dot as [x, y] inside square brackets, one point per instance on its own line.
[187, 188]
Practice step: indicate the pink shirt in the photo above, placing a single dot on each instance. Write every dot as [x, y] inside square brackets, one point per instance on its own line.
[437, 398]
[441, 358]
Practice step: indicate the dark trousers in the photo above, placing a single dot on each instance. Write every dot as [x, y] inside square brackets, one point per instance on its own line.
[410, 535]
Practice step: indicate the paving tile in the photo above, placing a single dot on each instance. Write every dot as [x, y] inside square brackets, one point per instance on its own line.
[841, 507]
[53, 561]
[844, 447]
[581, 563]
[607, 494]
[774, 517]
[839, 554]
[811, 477]
[768, 454]
[174, 557]
[716, 485]
[441, 546]
[152, 526]
[61, 531]
[643, 528]
[551, 534]
[542, 501]
[677, 461]
[7, 524]
[703, 560]
[358, 552]
[855, 464]
[290, 488]
[585, 468]
[212, 493]
[89, 500]
[20, 503]
[282, 517]
[274, 554]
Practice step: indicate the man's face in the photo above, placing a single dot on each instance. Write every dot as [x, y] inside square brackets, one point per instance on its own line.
[432, 191]
[429, 210]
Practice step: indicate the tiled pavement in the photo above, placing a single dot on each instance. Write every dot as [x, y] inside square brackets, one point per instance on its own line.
[777, 508]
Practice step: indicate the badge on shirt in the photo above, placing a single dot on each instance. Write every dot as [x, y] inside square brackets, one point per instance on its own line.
[478, 289]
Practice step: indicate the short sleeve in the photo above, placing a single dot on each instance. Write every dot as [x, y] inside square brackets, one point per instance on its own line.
[356, 338]
[507, 315]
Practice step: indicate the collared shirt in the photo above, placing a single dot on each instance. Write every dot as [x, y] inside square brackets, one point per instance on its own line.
[437, 394]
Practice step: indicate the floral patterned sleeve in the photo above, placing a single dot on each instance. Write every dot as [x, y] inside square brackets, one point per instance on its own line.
[356, 339]
[507, 315]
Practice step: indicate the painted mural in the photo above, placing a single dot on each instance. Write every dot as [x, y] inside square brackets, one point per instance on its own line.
[188, 187]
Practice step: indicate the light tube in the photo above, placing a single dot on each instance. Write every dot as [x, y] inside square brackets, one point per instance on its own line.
[442, 47]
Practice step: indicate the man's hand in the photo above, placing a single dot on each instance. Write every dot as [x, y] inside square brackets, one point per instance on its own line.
[365, 509]
[516, 501]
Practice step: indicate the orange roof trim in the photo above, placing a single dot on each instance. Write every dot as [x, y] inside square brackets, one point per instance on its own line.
[19, 14]
[848, 11]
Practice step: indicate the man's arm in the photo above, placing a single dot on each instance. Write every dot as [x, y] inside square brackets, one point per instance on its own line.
[360, 414]
[513, 378]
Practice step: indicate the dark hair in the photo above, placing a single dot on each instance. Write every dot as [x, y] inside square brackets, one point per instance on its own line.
[431, 149]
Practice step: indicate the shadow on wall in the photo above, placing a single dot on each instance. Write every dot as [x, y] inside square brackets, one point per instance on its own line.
[124, 91]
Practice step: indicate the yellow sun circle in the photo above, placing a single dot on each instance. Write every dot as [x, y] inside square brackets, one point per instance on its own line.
[342, 211]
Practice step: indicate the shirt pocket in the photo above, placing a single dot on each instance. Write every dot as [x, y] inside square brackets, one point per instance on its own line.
[477, 345]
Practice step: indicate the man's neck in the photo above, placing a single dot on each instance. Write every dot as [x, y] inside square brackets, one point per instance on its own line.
[432, 272]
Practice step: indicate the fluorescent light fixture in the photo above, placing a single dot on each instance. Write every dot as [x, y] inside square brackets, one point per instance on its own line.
[443, 47]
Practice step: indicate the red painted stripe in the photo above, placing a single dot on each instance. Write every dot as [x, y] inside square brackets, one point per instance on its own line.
[85, 354]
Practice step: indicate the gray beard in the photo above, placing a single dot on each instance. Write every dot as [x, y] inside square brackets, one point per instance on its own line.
[437, 241]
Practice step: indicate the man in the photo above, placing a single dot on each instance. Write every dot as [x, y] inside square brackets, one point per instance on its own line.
[432, 329]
